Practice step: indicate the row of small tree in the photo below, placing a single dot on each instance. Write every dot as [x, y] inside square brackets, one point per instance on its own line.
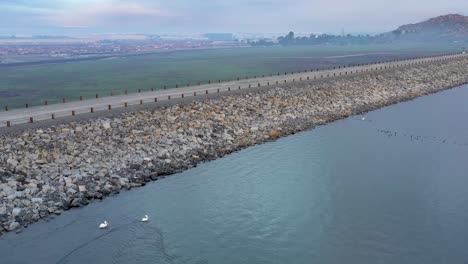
[324, 39]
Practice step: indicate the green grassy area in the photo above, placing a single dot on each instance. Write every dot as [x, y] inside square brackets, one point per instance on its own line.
[52, 82]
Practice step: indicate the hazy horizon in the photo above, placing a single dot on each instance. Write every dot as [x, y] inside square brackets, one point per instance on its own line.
[69, 17]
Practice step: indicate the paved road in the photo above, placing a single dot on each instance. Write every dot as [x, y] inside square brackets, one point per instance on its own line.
[39, 113]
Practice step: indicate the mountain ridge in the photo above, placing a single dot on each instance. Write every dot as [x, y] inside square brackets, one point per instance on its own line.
[448, 27]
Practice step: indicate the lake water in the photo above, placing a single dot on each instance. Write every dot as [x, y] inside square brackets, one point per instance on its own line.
[390, 189]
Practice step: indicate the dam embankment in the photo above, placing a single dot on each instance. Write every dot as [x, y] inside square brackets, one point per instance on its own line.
[48, 170]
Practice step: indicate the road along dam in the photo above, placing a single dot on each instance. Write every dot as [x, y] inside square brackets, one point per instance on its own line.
[12, 117]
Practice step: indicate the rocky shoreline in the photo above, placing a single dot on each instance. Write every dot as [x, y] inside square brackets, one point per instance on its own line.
[46, 171]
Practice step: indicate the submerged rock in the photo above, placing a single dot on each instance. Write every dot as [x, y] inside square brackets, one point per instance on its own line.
[13, 226]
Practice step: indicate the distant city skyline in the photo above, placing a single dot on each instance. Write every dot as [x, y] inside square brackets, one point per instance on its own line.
[69, 17]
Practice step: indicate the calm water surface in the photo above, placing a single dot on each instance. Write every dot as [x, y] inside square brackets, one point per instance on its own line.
[390, 189]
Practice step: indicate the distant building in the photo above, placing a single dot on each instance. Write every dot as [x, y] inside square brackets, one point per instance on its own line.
[219, 36]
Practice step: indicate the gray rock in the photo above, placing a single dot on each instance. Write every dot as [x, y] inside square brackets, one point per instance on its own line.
[66, 172]
[12, 163]
[76, 202]
[16, 211]
[37, 200]
[12, 183]
[33, 156]
[106, 125]
[13, 226]
[71, 191]
[53, 176]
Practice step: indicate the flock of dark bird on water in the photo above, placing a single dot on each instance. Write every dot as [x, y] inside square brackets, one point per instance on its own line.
[419, 138]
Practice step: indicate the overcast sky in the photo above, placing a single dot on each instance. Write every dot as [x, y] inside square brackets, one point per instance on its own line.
[198, 16]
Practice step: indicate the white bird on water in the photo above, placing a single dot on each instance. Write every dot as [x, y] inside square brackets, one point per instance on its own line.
[104, 225]
[145, 219]
[363, 118]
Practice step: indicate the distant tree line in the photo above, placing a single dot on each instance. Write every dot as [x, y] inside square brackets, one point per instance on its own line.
[396, 36]
[327, 39]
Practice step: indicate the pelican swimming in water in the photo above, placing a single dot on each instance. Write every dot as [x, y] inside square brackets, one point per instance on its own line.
[145, 219]
[363, 118]
[104, 225]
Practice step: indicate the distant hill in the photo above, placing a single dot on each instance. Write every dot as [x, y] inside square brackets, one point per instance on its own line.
[448, 29]
[452, 27]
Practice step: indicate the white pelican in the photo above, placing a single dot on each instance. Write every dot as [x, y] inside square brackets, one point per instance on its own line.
[363, 118]
[104, 225]
[145, 219]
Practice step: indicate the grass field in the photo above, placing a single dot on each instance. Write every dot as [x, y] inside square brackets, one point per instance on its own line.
[52, 82]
